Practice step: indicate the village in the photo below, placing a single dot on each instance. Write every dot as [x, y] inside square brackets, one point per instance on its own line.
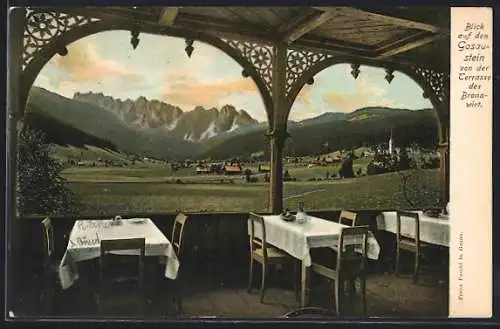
[377, 159]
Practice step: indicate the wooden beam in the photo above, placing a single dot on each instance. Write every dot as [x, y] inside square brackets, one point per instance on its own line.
[185, 25]
[336, 45]
[305, 26]
[408, 37]
[383, 18]
[168, 15]
[409, 45]
[224, 28]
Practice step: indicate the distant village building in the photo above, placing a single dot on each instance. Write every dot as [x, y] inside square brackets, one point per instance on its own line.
[232, 170]
[332, 159]
[263, 169]
[203, 170]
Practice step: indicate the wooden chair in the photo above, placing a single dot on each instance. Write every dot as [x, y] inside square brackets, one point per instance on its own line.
[178, 232]
[176, 240]
[310, 312]
[348, 218]
[350, 264]
[262, 253]
[50, 266]
[109, 246]
[410, 243]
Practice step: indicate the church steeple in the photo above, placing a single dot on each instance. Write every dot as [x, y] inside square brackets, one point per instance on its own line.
[391, 143]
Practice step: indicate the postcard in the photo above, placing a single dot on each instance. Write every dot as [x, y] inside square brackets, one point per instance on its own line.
[249, 162]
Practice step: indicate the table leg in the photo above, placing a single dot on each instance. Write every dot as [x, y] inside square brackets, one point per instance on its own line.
[303, 285]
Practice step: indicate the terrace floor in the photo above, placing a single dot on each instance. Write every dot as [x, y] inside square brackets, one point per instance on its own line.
[387, 296]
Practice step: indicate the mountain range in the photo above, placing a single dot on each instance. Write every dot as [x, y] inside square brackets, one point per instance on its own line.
[196, 125]
[160, 130]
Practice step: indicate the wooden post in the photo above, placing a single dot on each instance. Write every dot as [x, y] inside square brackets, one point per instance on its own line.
[278, 134]
[444, 157]
[16, 21]
[277, 143]
[444, 173]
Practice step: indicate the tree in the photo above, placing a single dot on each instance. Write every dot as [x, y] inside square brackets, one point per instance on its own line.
[346, 170]
[40, 188]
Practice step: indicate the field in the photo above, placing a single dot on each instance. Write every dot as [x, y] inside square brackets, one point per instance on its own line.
[157, 188]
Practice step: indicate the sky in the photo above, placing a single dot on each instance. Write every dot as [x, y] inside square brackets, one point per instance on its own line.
[160, 69]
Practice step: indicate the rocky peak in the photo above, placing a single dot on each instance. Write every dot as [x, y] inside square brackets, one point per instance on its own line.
[198, 124]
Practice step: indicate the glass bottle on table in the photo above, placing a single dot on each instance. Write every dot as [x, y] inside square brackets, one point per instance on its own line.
[301, 214]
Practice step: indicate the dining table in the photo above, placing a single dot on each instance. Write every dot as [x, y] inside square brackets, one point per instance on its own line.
[297, 239]
[433, 229]
[85, 244]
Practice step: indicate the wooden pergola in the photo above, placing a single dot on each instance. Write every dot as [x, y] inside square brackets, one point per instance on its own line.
[280, 48]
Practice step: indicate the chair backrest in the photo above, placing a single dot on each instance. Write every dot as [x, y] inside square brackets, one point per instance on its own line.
[351, 250]
[310, 312]
[416, 222]
[178, 232]
[348, 218]
[108, 246]
[48, 242]
[254, 221]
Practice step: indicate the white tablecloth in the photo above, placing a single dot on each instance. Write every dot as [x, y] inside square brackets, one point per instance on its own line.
[85, 243]
[297, 239]
[432, 230]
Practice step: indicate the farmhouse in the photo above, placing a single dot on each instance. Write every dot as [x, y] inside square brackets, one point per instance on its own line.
[334, 159]
[232, 170]
[203, 170]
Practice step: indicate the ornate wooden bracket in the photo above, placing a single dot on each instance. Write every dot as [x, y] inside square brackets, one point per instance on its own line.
[438, 83]
[260, 56]
[298, 62]
[42, 27]
[436, 86]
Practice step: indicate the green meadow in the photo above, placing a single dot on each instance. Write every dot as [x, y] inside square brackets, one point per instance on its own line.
[157, 188]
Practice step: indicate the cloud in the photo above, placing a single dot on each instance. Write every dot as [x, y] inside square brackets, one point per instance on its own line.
[366, 93]
[84, 63]
[184, 88]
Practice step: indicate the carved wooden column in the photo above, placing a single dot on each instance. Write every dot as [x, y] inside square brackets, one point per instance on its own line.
[15, 49]
[277, 143]
[436, 87]
[278, 134]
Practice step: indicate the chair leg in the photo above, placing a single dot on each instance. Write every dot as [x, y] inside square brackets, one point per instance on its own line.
[177, 295]
[250, 273]
[263, 282]
[416, 268]
[339, 294]
[331, 285]
[352, 289]
[48, 295]
[363, 292]
[296, 286]
[396, 271]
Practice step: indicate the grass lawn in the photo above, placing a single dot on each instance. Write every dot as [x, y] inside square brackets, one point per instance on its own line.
[121, 190]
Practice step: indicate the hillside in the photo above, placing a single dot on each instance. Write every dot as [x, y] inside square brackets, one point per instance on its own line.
[70, 122]
[60, 133]
[103, 125]
[327, 133]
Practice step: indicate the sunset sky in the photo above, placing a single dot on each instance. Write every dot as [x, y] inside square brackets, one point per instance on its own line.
[160, 69]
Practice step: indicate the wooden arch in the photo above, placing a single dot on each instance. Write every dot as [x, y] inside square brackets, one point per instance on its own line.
[435, 85]
[59, 42]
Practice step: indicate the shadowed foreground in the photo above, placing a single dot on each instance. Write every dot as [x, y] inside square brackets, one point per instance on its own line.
[387, 296]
